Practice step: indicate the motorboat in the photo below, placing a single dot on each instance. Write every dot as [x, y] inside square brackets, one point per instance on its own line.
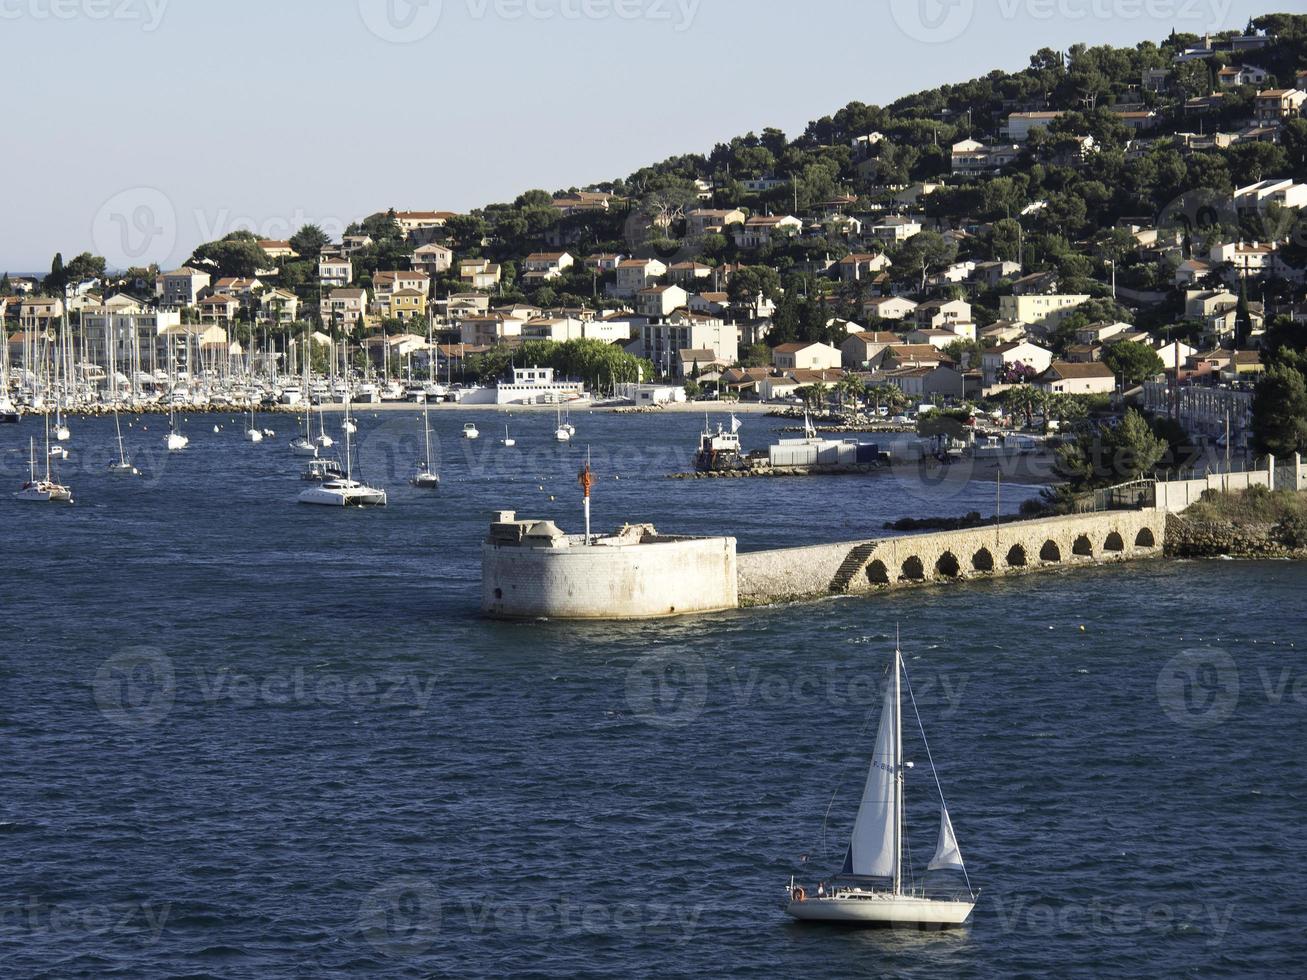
[470, 431]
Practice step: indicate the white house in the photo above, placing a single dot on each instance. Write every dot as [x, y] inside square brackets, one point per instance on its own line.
[543, 266]
[634, 275]
[761, 230]
[895, 228]
[1256, 198]
[889, 307]
[660, 301]
[996, 360]
[335, 271]
[1063, 377]
[808, 357]
[1046, 309]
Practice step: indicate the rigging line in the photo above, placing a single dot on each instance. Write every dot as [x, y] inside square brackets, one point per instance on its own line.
[933, 772]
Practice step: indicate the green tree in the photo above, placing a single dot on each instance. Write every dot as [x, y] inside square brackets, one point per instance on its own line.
[1112, 454]
[309, 241]
[1280, 412]
[923, 252]
[1133, 362]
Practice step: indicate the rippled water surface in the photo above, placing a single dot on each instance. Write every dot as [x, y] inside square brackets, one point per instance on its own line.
[245, 738]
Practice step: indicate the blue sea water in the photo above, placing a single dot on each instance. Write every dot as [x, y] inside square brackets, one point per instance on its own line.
[244, 738]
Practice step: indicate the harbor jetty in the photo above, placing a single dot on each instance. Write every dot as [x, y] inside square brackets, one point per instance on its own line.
[533, 569]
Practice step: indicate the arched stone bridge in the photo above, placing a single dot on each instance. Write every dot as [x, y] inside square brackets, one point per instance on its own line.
[949, 556]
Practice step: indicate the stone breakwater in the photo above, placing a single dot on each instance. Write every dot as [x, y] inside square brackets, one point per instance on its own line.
[1020, 547]
[1187, 538]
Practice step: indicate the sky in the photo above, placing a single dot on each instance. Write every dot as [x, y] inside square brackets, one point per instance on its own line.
[137, 129]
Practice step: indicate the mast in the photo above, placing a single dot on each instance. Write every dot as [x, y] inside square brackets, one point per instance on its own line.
[898, 771]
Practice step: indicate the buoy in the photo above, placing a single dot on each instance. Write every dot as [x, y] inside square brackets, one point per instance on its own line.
[551, 497]
[1082, 628]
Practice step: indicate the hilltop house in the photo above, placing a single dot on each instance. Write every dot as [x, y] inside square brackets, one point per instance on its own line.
[634, 275]
[704, 221]
[1045, 310]
[279, 306]
[760, 230]
[479, 273]
[996, 362]
[335, 271]
[1256, 198]
[1232, 77]
[432, 258]
[183, 287]
[895, 228]
[660, 301]
[1020, 124]
[889, 307]
[1090, 378]
[1276, 104]
[857, 266]
[344, 307]
[542, 266]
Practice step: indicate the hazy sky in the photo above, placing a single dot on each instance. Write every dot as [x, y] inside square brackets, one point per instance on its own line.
[139, 128]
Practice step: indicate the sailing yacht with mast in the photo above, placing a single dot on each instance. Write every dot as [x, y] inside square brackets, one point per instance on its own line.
[47, 490]
[344, 493]
[122, 466]
[564, 431]
[871, 889]
[426, 477]
[175, 441]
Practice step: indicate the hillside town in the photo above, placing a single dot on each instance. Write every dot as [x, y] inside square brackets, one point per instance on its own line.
[1109, 227]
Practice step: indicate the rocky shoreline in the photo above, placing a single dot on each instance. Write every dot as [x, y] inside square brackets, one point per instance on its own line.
[1186, 538]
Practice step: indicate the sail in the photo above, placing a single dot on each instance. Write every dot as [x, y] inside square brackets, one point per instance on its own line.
[947, 856]
[873, 850]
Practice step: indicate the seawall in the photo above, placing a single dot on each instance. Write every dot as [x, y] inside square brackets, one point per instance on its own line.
[873, 565]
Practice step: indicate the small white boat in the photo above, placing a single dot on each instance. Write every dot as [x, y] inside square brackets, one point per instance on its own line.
[58, 452]
[348, 426]
[269, 434]
[508, 441]
[470, 431]
[176, 442]
[216, 430]
[62, 434]
[870, 889]
[324, 441]
[253, 435]
[564, 432]
[322, 470]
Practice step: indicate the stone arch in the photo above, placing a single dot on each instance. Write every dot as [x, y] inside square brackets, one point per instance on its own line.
[1083, 547]
[1145, 539]
[1050, 552]
[913, 570]
[948, 566]
[983, 560]
[1114, 542]
[1016, 556]
[877, 573]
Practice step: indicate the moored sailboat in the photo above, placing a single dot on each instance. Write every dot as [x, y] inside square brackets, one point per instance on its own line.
[426, 477]
[870, 889]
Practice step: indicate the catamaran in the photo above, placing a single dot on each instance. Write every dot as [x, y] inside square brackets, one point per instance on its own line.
[871, 889]
[47, 490]
[426, 477]
[346, 492]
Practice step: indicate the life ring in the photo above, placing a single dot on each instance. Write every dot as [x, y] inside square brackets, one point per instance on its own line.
[799, 895]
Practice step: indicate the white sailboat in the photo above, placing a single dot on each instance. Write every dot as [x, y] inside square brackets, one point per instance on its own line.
[870, 890]
[47, 490]
[426, 477]
[508, 441]
[253, 433]
[344, 493]
[564, 432]
[122, 466]
[175, 441]
[323, 441]
[303, 445]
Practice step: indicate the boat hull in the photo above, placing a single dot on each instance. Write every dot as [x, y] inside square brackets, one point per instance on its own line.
[884, 910]
[337, 496]
[426, 481]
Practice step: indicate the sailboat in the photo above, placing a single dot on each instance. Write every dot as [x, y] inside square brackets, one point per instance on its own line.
[47, 490]
[323, 441]
[564, 432]
[870, 889]
[426, 477]
[121, 466]
[508, 441]
[303, 445]
[175, 441]
[253, 433]
[344, 493]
